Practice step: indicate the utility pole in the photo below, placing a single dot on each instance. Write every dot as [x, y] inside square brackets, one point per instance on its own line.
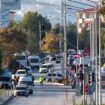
[40, 41]
[61, 24]
[100, 94]
[65, 38]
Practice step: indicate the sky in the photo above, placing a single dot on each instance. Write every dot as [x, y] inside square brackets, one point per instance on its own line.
[50, 9]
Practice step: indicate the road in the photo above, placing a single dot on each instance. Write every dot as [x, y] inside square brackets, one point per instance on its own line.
[48, 94]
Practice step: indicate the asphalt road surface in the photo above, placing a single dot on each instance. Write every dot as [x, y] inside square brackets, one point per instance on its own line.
[48, 94]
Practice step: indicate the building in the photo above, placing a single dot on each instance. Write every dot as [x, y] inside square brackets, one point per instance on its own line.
[6, 15]
[85, 17]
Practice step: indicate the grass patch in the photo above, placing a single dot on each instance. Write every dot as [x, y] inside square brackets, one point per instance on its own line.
[1, 91]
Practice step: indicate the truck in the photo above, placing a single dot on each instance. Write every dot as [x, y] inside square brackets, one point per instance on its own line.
[34, 61]
[21, 59]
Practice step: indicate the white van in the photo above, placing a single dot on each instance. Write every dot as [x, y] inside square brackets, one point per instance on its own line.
[22, 59]
[34, 61]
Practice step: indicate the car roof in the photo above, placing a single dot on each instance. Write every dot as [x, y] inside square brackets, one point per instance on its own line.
[21, 70]
[21, 85]
[47, 64]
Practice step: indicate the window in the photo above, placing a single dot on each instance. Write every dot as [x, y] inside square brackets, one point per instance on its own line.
[34, 60]
[21, 72]
[20, 57]
[87, 15]
[59, 75]
[80, 15]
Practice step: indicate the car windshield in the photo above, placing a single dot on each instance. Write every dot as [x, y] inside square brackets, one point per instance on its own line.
[20, 57]
[34, 60]
[21, 88]
[47, 66]
[59, 57]
[28, 69]
[49, 74]
[21, 72]
[54, 74]
[59, 75]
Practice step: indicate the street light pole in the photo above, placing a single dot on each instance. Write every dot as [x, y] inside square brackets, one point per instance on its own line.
[61, 24]
[65, 38]
[100, 94]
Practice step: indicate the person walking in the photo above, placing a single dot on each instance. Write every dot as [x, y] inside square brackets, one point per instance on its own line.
[41, 79]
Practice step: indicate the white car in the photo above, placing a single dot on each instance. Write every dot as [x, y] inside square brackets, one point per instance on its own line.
[54, 77]
[21, 89]
[20, 72]
[47, 67]
[28, 81]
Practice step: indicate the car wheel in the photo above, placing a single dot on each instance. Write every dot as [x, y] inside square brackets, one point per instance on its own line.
[26, 95]
[14, 95]
[31, 91]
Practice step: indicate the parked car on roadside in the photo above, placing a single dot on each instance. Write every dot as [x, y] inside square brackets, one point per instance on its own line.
[20, 72]
[28, 80]
[6, 79]
[21, 89]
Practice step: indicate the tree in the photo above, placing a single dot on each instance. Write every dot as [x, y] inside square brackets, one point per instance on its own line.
[12, 40]
[51, 43]
[84, 39]
[71, 36]
[30, 23]
[56, 29]
[103, 40]
[102, 9]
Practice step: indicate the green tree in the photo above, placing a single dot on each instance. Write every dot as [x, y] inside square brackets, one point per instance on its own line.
[102, 9]
[56, 29]
[30, 23]
[12, 40]
[103, 40]
[84, 39]
[71, 36]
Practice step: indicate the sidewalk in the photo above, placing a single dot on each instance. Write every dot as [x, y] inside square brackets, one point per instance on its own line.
[6, 96]
[79, 99]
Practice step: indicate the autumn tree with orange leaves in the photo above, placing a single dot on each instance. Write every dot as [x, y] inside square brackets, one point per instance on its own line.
[51, 43]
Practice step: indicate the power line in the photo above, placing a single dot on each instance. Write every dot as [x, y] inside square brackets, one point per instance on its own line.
[74, 7]
[81, 3]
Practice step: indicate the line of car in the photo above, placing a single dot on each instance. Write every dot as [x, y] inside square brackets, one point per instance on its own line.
[25, 82]
[24, 86]
[51, 75]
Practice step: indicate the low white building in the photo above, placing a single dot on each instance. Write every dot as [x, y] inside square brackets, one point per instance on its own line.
[85, 17]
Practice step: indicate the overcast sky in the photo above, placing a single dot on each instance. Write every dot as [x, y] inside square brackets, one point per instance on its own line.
[49, 8]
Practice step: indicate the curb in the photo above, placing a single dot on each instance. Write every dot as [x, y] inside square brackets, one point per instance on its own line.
[8, 100]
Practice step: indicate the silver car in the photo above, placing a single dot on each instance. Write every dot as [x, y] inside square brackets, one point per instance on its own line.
[54, 77]
[21, 89]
